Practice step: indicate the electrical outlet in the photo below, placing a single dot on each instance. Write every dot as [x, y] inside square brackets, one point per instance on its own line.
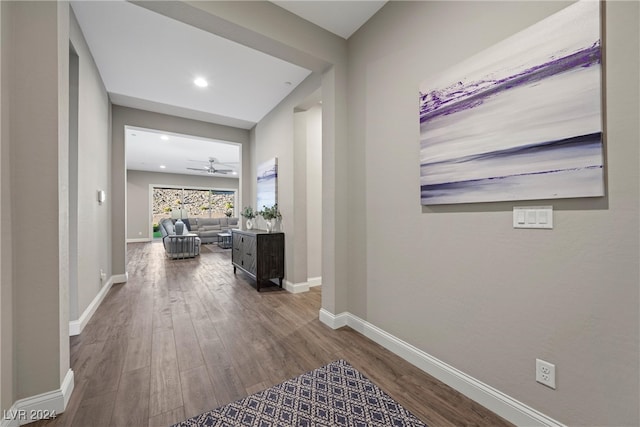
[546, 373]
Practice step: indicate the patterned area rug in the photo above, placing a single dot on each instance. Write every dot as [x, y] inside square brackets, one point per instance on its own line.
[333, 395]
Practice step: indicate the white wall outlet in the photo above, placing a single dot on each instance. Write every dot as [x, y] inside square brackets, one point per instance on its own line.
[546, 373]
[103, 275]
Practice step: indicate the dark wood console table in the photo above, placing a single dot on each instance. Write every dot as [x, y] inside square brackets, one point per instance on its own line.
[259, 254]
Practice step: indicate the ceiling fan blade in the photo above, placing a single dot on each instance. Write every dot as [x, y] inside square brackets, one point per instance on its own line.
[198, 169]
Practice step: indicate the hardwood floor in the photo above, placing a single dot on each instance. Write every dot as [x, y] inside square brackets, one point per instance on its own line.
[185, 336]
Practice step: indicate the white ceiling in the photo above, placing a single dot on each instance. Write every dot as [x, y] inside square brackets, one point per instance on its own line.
[144, 56]
[149, 61]
[149, 150]
[342, 17]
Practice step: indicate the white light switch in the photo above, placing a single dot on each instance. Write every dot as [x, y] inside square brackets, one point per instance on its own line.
[533, 217]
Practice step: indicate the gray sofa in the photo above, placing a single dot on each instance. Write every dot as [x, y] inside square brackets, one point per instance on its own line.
[178, 246]
[206, 229]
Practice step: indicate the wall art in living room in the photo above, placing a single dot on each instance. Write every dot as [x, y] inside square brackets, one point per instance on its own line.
[521, 120]
[267, 188]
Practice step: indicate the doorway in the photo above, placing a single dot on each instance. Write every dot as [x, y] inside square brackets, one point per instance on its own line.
[308, 159]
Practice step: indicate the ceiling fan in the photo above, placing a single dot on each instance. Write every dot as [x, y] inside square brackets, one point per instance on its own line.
[211, 169]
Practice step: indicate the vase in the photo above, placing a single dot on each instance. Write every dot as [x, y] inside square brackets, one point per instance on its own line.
[249, 224]
[179, 227]
[269, 225]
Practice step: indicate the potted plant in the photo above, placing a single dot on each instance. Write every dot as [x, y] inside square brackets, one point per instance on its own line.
[156, 230]
[229, 209]
[270, 214]
[249, 214]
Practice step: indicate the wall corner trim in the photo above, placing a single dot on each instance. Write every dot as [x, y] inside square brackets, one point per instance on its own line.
[120, 278]
[77, 326]
[37, 407]
[296, 288]
[314, 281]
[139, 240]
[492, 399]
[332, 320]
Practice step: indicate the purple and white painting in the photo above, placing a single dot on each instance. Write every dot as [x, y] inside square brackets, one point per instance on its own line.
[267, 188]
[519, 121]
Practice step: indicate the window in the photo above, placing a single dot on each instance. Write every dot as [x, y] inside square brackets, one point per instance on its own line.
[192, 203]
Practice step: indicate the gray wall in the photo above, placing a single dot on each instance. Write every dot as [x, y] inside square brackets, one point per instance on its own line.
[124, 116]
[93, 173]
[275, 137]
[307, 204]
[314, 192]
[7, 389]
[458, 281]
[138, 209]
[35, 71]
[35, 184]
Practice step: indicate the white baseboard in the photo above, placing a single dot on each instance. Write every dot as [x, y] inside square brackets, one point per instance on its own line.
[77, 326]
[492, 399]
[314, 281]
[120, 278]
[139, 240]
[38, 407]
[67, 387]
[296, 288]
[332, 320]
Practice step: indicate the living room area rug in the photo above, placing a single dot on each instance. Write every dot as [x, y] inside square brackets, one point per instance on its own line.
[333, 395]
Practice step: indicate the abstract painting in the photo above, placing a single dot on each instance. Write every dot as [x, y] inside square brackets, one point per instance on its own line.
[267, 189]
[522, 120]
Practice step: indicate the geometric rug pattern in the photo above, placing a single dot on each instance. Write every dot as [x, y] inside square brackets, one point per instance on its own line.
[333, 395]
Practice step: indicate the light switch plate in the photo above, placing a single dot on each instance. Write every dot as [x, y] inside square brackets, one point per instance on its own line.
[533, 217]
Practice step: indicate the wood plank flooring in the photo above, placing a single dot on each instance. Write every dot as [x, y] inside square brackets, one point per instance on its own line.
[185, 336]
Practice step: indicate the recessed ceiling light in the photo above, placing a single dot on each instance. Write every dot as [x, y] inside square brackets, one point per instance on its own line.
[200, 82]
[162, 166]
[164, 138]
